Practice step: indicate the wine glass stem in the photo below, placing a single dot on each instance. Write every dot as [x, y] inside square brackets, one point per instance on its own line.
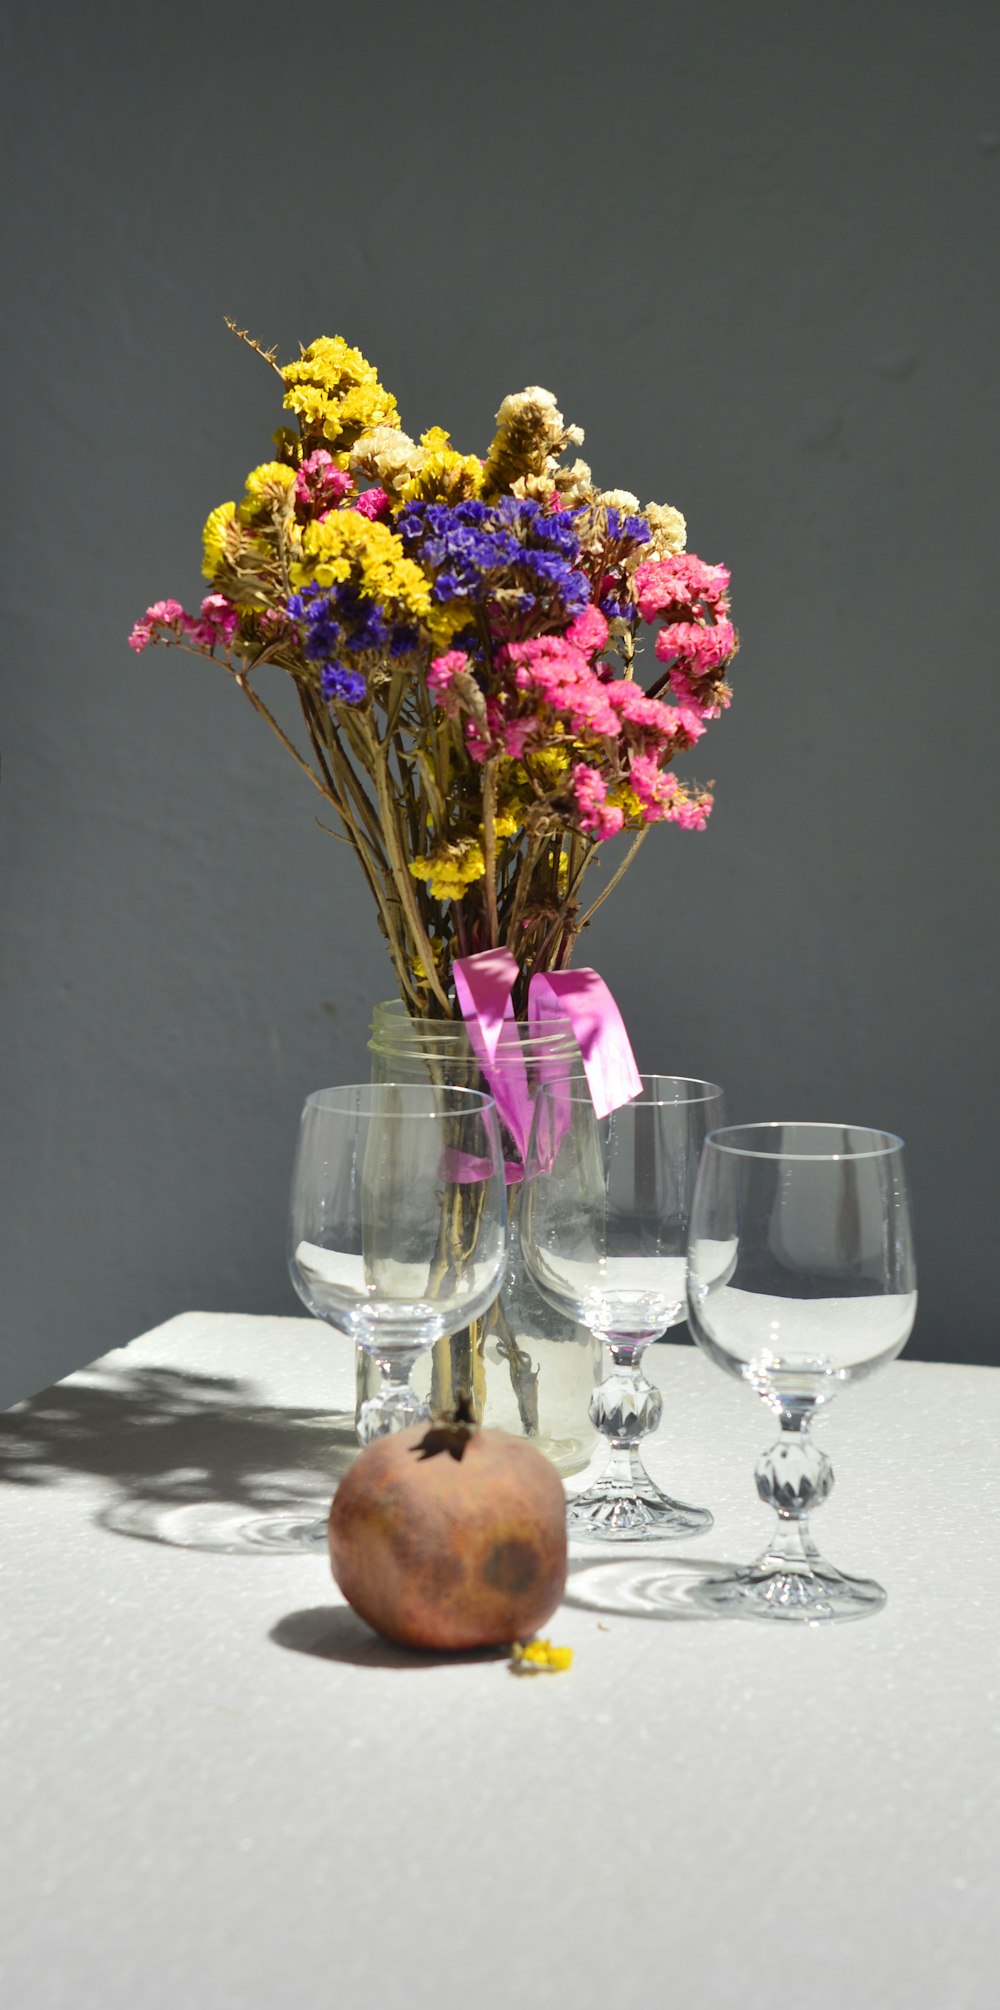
[624, 1467]
[626, 1408]
[794, 1477]
[627, 1354]
[792, 1544]
[396, 1368]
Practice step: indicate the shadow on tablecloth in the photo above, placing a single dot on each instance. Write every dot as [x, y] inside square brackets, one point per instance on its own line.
[644, 1586]
[335, 1633]
[198, 1462]
[651, 1588]
[180, 1458]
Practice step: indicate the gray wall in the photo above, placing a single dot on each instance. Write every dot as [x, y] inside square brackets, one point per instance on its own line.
[751, 249]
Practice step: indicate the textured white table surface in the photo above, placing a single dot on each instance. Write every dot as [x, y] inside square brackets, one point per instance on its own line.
[219, 1789]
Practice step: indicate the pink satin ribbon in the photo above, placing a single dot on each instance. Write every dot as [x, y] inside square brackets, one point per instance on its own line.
[484, 985]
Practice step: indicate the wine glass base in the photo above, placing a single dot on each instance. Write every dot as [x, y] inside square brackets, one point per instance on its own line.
[610, 1512]
[772, 1589]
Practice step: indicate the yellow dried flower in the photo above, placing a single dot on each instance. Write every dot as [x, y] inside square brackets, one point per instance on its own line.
[344, 545]
[624, 798]
[441, 473]
[267, 489]
[540, 1657]
[444, 622]
[451, 868]
[287, 445]
[336, 394]
[547, 765]
[508, 821]
[420, 968]
[214, 538]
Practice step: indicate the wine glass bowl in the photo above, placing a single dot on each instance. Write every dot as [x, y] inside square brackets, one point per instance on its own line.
[801, 1280]
[603, 1222]
[397, 1226]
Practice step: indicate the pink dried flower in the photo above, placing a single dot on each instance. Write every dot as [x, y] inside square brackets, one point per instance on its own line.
[700, 648]
[598, 817]
[650, 715]
[320, 484]
[218, 622]
[441, 679]
[662, 584]
[272, 621]
[691, 719]
[479, 747]
[589, 631]
[709, 702]
[515, 734]
[162, 614]
[560, 674]
[690, 813]
[654, 786]
[374, 504]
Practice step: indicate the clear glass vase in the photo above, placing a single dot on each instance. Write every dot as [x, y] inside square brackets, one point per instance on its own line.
[527, 1369]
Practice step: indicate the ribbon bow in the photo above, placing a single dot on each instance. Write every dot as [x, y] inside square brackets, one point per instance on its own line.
[484, 985]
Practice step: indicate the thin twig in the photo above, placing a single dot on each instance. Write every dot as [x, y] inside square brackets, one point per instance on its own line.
[490, 851]
[242, 679]
[639, 839]
[403, 880]
[268, 355]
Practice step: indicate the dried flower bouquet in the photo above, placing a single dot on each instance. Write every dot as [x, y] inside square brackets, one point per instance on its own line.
[462, 633]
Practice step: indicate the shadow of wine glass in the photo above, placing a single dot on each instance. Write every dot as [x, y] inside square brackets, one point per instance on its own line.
[335, 1633]
[644, 1587]
[193, 1461]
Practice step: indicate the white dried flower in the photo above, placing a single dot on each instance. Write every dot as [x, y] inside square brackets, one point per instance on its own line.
[575, 484]
[619, 499]
[386, 455]
[531, 434]
[532, 488]
[518, 404]
[669, 530]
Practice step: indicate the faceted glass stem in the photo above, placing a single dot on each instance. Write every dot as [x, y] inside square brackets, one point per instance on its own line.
[395, 1405]
[791, 1580]
[625, 1505]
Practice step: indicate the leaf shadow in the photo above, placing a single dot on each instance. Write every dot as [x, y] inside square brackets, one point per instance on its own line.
[164, 1447]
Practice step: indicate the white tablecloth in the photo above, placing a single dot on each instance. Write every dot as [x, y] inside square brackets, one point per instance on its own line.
[219, 1789]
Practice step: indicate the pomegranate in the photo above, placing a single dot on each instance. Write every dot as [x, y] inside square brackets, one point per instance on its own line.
[450, 1535]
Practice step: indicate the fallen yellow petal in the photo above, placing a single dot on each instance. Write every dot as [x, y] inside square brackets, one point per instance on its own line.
[538, 1657]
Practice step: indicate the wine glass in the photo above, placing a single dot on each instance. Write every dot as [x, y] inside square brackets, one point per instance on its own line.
[603, 1222]
[801, 1279]
[397, 1225]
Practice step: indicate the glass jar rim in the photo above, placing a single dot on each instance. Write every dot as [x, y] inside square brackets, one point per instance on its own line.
[576, 1091]
[363, 1098]
[405, 1032]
